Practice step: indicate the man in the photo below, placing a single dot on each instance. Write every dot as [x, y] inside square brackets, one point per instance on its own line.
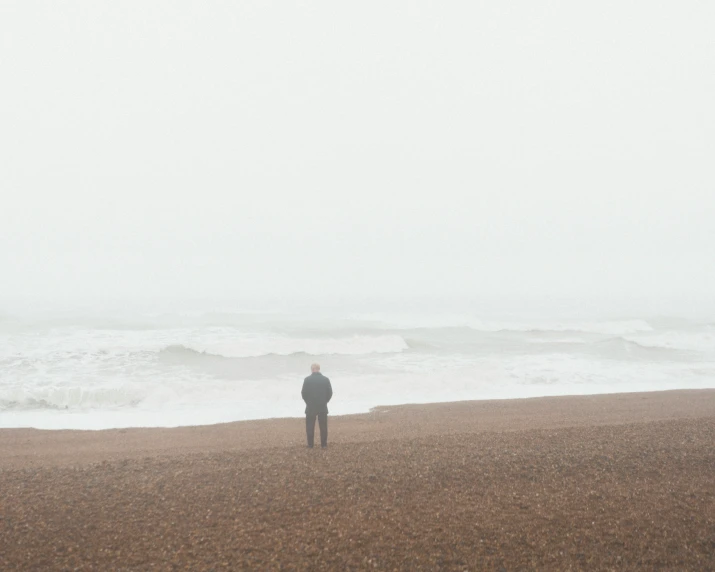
[316, 393]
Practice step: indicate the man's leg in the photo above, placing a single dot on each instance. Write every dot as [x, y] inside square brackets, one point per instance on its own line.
[323, 422]
[310, 428]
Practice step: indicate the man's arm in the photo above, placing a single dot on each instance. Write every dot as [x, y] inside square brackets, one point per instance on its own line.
[302, 392]
[330, 392]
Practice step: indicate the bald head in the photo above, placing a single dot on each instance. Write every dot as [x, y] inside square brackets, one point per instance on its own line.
[315, 368]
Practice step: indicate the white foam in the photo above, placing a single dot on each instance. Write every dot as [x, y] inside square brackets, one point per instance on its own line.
[607, 327]
[611, 328]
[217, 401]
[700, 341]
[282, 345]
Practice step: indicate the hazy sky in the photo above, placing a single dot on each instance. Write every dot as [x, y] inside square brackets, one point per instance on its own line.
[395, 149]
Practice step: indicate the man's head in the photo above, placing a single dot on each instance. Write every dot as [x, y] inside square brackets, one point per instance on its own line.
[315, 368]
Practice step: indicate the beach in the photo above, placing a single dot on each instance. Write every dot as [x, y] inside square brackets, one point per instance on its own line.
[620, 481]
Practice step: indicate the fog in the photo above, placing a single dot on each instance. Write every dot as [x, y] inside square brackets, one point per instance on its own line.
[322, 151]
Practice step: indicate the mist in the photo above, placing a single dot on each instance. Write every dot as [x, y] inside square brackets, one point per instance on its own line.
[306, 153]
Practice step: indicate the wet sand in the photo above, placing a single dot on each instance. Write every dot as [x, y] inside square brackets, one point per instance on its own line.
[597, 482]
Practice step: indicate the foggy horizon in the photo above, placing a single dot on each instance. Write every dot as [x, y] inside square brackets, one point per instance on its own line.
[318, 153]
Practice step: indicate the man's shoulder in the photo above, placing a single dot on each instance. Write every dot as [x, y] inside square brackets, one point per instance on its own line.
[319, 377]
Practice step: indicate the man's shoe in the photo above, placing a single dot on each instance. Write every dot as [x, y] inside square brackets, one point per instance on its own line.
[323, 446]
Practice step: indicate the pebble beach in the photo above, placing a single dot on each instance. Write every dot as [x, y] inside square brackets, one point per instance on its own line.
[623, 481]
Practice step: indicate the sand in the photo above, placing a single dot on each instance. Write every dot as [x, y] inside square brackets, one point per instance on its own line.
[597, 482]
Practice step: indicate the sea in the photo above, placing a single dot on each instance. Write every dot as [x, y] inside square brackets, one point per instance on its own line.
[99, 369]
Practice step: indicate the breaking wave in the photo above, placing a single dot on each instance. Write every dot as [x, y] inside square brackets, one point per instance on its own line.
[610, 328]
[256, 347]
[72, 397]
[702, 341]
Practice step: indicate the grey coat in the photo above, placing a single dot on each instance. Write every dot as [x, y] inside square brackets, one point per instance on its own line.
[316, 393]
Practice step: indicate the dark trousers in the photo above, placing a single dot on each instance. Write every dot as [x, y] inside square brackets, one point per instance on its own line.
[310, 428]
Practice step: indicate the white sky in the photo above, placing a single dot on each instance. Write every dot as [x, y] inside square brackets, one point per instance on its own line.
[392, 149]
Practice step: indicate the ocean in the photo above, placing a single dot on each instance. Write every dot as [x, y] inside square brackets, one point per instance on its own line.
[94, 370]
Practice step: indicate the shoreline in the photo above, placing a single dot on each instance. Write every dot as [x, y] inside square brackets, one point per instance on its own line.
[604, 481]
[22, 445]
[65, 419]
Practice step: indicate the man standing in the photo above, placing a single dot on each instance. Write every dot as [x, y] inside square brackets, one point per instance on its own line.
[316, 393]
